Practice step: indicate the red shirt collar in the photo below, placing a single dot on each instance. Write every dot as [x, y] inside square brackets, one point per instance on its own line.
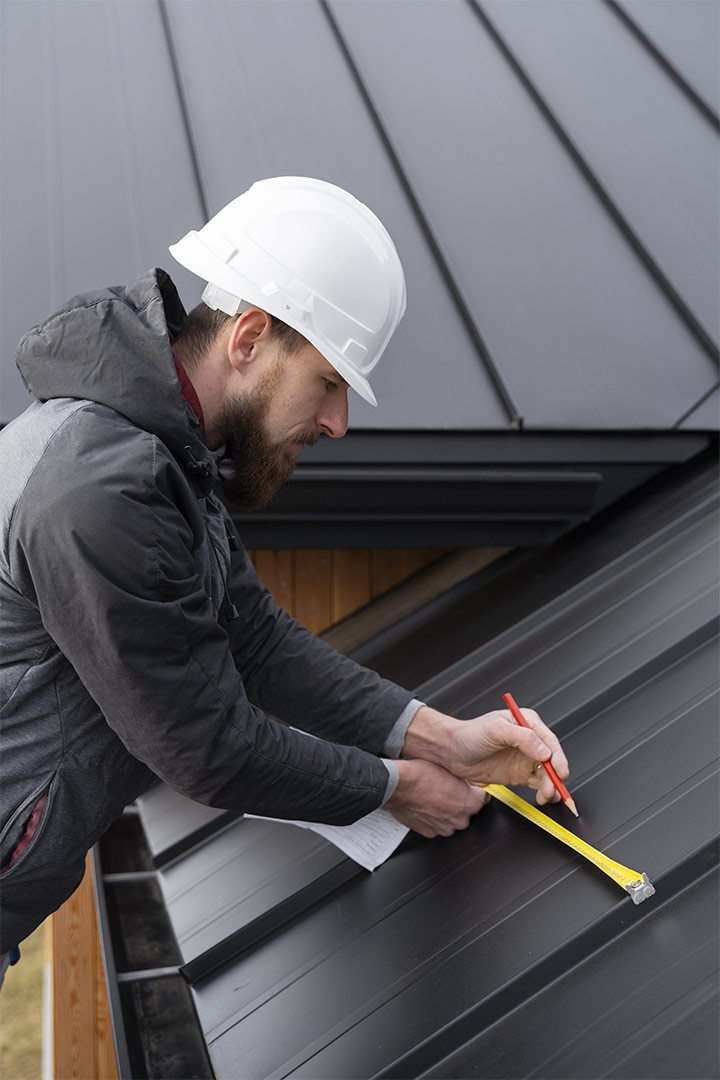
[189, 393]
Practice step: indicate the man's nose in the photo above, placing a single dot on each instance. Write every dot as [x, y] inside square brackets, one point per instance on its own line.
[332, 417]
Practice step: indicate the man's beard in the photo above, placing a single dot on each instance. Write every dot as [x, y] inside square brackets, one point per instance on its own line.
[260, 467]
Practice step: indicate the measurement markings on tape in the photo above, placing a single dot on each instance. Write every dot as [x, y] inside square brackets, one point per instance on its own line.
[636, 884]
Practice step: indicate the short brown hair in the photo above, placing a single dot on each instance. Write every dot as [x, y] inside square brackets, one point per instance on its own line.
[203, 325]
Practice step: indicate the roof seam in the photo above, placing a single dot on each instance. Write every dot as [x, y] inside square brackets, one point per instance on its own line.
[184, 109]
[667, 65]
[693, 408]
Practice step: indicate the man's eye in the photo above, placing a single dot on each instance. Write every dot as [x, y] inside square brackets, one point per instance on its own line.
[329, 384]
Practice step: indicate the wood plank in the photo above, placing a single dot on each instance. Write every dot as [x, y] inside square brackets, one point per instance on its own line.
[409, 596]
[419, 558]
[276, 569]
[350, 588]
[313, 607]
[74, 934]
[390, 566]
[321, 587]
[83, 1045]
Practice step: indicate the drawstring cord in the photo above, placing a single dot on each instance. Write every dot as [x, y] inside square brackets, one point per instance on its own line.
[227, 608]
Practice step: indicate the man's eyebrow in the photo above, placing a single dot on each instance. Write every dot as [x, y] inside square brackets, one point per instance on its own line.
[333, 374]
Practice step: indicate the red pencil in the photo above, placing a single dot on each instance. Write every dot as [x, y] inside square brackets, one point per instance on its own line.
[559, 786]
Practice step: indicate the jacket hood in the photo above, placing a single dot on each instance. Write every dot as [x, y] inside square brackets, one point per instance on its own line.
[113, 346]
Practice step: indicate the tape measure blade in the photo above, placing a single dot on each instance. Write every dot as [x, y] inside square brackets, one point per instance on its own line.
[623, 875]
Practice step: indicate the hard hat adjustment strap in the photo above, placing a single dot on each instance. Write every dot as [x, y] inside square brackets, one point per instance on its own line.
[220, 300]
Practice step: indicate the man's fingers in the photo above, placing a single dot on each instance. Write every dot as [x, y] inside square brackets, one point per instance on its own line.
[431, 800]
[546, 737]
[480, 797]
[475, 799]
[526, 741]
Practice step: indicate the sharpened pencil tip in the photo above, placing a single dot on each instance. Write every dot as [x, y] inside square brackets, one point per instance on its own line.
[570, 803]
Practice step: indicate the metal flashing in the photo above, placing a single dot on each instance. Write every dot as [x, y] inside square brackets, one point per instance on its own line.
[457, 488]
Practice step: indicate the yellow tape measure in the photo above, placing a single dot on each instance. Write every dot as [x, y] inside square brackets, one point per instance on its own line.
[637, 884]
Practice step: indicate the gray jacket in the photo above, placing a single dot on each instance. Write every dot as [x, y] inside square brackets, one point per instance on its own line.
[136, 638]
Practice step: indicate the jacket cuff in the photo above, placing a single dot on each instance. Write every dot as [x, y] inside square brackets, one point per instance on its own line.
[393, 745]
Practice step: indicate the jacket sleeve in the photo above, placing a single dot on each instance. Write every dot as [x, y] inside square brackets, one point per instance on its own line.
[104, 547]
[301, 679]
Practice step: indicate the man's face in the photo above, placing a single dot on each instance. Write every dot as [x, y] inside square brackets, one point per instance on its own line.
[298, 397]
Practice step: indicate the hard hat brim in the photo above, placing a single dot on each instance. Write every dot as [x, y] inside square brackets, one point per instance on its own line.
[195, 256]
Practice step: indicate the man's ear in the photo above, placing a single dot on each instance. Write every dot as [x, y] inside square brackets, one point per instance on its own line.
[252, 329]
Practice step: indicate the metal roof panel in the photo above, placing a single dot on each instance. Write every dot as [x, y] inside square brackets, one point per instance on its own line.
[95, 169]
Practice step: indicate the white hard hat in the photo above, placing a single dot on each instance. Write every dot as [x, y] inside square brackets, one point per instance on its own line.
[312, 255]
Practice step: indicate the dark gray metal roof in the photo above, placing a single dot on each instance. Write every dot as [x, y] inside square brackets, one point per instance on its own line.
[303, 965]
[549, 172]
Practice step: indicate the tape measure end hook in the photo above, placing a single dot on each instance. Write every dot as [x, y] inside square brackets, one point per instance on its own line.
[641, 889]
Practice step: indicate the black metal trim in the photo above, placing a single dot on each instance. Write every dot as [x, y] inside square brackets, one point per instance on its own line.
[531, 450]
[112, 985]
[163, 858]
[457, 489]
[269, 923]
[144, 974]
[309, 534]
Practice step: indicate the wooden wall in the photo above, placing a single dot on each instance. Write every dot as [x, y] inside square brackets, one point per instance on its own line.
[319, 588]
[83, 1047]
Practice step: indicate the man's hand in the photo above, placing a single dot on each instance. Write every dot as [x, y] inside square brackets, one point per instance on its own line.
[432, 801]
[490, 749]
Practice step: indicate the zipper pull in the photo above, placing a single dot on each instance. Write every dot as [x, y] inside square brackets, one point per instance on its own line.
[232, 537]
[228, 610]
[195, 467]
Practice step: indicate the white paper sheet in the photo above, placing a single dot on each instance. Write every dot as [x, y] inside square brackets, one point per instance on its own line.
[369, 841]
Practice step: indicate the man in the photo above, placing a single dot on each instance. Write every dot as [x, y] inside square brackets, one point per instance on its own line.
[138, 641]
